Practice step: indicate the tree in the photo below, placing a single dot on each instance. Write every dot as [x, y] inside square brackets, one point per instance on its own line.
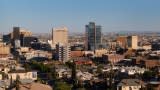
[17, 82]
[147, 75]
[27, 67]
[69, 64]
[40, 66]
[74, 73]
[54, 72]
[80, 89]
[99, 68]
[127, 56]
[111, 77]
[11, 80]
[62, 86]
[4, 76]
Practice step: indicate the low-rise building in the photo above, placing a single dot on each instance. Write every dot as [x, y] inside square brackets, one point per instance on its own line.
[130, 84]
[100, 52]
[113, 58]
[4, 69]
[24, 49]
[63, 72]
[75, 54]
[132, 70]
[83, 62]
[147, 47]
[7, 62]
[88, 53]
[153, 85]
[4, 84]
[84, 75]
[22, 74]
[37, 53]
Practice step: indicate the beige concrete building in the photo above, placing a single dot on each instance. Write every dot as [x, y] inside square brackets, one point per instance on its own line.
[122, 41]
[37, 53]
[100, 52]
[132, 42]
[60, 35]
[7, 62]
[113, 58]
[147, 47]
[4, 50]
[22, 75]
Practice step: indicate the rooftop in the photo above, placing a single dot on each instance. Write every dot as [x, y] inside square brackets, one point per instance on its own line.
[35, 86]
[130, 82]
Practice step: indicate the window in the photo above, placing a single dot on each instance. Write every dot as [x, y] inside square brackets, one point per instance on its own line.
[34, 74]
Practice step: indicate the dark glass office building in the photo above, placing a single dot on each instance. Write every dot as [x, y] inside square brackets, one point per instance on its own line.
[93, 36]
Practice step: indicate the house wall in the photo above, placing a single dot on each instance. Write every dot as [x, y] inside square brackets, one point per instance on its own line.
[128, 87]
[28, 75]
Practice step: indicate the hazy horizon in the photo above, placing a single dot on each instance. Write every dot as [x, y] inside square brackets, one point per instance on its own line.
[113, 15]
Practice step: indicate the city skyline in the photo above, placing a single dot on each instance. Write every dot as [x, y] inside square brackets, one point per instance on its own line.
[43, 15]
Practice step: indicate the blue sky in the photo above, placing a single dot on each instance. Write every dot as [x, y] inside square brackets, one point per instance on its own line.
[112, 15]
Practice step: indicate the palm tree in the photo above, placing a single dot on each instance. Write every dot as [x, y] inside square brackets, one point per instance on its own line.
[54, 72]
[17, 82]
[74, 78]
[11, 81]
[111, 77]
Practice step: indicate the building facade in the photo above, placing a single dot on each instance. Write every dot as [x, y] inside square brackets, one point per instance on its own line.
[122, 41]
[63, 52]
[130, 84]
[93, 36]
[32, 75]
[132, 42]
[4, 50]
[19, 34]
[60, 35]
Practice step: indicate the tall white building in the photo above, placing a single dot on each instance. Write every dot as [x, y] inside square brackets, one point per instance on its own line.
[132, 42]
[63, 52]
[60, 35]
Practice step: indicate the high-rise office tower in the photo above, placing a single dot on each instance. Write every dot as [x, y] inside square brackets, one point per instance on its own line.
[19, 32]
[16, 33]
[93, 36]
[60, 35]
[132, 42]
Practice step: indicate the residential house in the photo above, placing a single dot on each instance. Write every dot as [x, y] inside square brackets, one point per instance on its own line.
[130, 84]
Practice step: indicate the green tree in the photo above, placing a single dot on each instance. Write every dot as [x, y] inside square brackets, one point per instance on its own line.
[62, 86]
[110, 75]
[74, 78]
[27, 67]
[4, 75]
[147, 75]
[17, 82]
[99, 68]
[80, 89]
[53, 71]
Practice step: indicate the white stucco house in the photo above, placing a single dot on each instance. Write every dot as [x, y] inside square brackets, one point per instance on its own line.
[22, 74]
